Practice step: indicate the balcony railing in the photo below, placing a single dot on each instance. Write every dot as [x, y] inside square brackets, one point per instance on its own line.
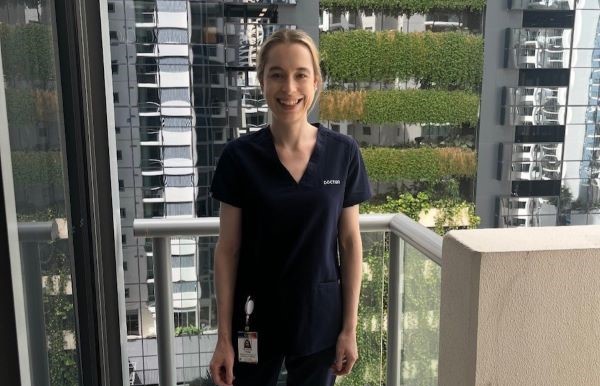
[413, 266]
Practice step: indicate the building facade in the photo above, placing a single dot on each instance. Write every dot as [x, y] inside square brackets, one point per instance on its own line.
[539, 136]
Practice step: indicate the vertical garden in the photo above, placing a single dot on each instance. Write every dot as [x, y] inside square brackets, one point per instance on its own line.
[425, 78]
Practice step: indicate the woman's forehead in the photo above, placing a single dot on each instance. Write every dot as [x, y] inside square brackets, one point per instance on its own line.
[289, 56]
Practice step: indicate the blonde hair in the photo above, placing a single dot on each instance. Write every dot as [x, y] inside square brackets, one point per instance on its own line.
[290, 36]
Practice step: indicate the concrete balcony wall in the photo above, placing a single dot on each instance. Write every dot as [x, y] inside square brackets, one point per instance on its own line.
[520, 307]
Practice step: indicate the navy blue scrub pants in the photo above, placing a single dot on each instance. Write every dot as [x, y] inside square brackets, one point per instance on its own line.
[310, 370]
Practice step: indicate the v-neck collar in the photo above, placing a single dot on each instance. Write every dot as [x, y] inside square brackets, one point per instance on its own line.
[311, 166]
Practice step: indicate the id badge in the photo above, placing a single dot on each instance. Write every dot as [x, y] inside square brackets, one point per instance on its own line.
[247, 347]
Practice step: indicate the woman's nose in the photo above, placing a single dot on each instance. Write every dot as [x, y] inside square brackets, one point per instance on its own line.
[288, 83]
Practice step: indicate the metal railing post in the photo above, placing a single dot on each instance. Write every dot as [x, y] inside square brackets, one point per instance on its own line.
[165, 329]
[396, 287]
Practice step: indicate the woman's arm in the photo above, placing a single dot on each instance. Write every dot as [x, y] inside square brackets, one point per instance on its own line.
[226, 263]
[350, 244]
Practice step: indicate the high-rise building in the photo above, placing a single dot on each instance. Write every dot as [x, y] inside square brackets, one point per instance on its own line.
[539, 136]
[184, 83]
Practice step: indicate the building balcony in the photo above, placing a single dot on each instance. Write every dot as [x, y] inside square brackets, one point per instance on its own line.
[408, 321]
[387, 238]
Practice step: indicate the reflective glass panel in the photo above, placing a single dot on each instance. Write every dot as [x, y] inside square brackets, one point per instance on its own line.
[34, 124]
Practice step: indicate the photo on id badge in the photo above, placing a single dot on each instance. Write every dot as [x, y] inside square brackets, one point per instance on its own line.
[247, 347]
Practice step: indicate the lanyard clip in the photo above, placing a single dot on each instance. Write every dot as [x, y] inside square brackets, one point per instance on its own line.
[248, 309]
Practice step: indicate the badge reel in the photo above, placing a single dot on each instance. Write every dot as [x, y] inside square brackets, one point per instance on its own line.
[248, 340]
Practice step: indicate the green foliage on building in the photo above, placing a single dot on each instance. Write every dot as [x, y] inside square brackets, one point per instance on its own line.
[387, 164]
[397, 7]
[37, 167]
[394, 106]
[59, 317]
[444, 60]
[19, 105]
[27, 52]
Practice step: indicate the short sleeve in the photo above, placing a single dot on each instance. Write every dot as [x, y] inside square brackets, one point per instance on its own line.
[226, 183]
[358, 188]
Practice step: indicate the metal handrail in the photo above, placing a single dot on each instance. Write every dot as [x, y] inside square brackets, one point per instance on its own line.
[423, 239]
[402, 228]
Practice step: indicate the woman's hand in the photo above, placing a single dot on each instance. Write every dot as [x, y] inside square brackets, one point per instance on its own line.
[346, 353]
[221, 364]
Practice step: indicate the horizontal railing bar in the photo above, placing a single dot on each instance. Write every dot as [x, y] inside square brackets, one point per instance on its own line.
[209, 226]
[415, 234]
[423, 239]
[170, 227]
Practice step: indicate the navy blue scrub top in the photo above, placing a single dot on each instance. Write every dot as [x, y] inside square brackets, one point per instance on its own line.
[288, 259]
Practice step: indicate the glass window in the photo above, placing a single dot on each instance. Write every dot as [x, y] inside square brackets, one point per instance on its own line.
[336, 17]
[185, 286]
[151, 297]
[180, 209]
[179, 181]
[149, 268]
[32, 90]
[133, 324]
[541, 4]
[185, 319]
[180, 152]
[548, 19]
[184, 261]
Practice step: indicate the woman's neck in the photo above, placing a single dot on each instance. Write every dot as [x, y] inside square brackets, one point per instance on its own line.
[293, 136]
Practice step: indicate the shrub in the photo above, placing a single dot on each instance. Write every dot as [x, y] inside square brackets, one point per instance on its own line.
[187, 331]
[27, 52]
[398, 7]
[446, 60]
[407, 106]
[386, 164]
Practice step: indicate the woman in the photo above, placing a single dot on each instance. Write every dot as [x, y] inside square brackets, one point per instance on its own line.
[289, 199]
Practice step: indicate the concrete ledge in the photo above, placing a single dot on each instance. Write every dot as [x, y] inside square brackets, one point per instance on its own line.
[521, 307]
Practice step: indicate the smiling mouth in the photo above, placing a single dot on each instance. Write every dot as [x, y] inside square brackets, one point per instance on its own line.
[289, 102]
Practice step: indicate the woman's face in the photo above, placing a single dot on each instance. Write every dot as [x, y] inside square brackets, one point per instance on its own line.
[289, 82]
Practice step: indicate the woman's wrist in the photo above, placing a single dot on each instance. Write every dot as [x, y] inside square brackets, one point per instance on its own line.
[224, 337]
[348, 330]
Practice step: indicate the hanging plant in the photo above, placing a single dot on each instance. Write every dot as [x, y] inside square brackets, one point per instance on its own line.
[442, 60]
[394, 106]
[400, 7]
